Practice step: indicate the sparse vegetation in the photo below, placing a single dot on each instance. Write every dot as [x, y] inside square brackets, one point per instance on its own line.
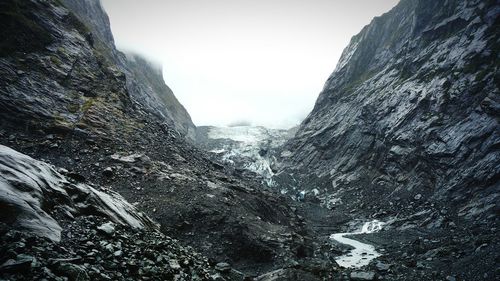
[55, 60]
[73, 108]
[87, 105]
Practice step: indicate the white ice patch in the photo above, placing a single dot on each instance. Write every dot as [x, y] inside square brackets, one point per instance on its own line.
[245, 134]
[218, 151]
[362, 254]
[250, 141]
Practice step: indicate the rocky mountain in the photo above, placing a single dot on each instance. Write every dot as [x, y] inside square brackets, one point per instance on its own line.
[411, 111]
[69, 102]
[35, 189]
[145, 82]
[406, 129]
[394, 174]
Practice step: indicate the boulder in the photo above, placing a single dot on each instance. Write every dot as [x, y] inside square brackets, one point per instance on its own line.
[107, 228]
[362, 275]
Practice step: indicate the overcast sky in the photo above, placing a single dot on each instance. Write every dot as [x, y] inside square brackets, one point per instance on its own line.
[227, 61]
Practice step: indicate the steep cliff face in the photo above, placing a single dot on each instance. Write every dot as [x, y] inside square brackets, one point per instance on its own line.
[144, 80]
[409, 118]
[65, 99]
[92, 13]
[58, 82]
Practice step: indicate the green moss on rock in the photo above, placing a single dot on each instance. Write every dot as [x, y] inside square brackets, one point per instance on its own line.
[87, 104]
[73, 108]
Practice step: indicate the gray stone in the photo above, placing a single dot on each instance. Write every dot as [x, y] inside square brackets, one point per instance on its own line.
[174, 264]
[223, 267]
[22, 262]
[108, 228]
[217, 277]
[362, 275]
[375, 120]
[72, 271]
[382, 266]
[108, 172]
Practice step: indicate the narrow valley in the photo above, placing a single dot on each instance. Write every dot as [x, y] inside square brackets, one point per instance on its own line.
[394, 174]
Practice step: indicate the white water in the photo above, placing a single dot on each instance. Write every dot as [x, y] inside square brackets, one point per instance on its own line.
[362, 254]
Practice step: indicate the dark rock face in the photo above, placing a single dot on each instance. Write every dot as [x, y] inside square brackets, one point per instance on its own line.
[31, 190]
[92, 14]
[144, 80]
[18, 30]
[406, 130]
[145, 83]
[408, 119]
[66, 86]
[68, 102]
[37, 202]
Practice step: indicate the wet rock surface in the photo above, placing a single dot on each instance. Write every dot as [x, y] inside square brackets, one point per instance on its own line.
[415, 254]
[85, 253]
[54, 228]
[31, 190]
[362, 275]
[71, 107]
[387, 136]
[405, 131]
[144, 82]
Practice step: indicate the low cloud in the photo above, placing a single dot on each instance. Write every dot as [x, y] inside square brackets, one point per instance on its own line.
[261, 61]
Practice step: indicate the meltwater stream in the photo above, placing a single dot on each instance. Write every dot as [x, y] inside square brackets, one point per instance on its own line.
[362, 254]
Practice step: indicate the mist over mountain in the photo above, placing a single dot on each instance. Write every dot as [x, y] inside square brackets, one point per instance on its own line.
[393, 175]
[265, 61]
